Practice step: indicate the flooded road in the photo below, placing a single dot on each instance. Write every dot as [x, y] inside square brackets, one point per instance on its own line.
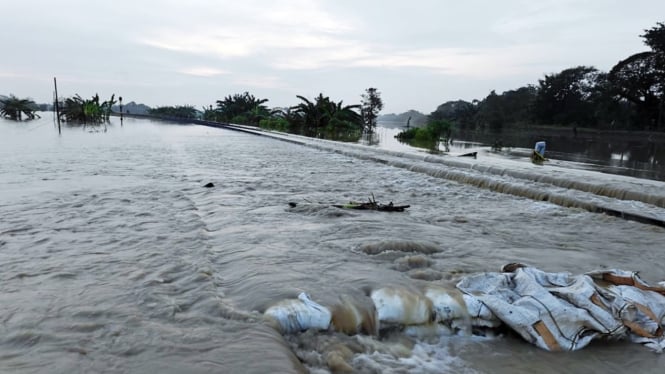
[116, 258]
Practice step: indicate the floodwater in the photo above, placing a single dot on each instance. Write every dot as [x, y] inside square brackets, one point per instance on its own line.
[116, 258]
[636, 154]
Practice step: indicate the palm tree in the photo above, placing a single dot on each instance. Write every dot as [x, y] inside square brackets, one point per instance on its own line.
[242, 108]
[344, 121]
[294, 119]
[325, 117]
[14, 108]
[310, 115]
[180, 111]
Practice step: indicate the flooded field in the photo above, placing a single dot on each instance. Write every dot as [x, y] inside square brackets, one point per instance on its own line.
[635, 154]
[116, 258]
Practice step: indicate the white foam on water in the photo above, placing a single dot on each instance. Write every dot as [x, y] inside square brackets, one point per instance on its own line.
[423, 357]
[558, 182]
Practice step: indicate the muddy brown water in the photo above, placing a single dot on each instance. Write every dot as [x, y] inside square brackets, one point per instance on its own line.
[114, 257]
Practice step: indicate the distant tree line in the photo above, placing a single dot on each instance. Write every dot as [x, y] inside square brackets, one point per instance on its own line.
[410, 118]
[631, 96]
[179, 111]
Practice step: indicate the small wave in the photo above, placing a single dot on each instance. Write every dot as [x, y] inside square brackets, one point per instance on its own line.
[64, 275]
[15, 231]
[24, 275]
[522, 180]
[398, 246]
[322, 210]
[425, 274]
[407, 263]
[25, 339]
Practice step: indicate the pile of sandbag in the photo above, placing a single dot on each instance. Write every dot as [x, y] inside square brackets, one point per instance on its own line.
[554, 311]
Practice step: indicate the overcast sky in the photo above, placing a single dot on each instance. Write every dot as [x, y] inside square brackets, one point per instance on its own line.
[417, 53]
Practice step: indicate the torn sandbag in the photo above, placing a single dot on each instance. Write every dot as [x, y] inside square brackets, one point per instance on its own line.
[299, 314]
[559, 311]
[480, 314]
[648, 320]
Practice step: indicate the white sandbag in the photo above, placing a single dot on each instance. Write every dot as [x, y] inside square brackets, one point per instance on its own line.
[448, 304]
[401, 306]
[352, 316]
[480, 314]
[459, 311]
[299, 314]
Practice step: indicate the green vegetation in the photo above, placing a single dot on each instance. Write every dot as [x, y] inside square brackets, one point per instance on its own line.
[427, 137]
[239, 108]
[275, 123]
[180, 112]
[14, 108]
[91, 111]
[321, 118]
[324, 118]
[630, 97]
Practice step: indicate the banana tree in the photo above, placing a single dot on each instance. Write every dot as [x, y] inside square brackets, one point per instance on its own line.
[91, 111]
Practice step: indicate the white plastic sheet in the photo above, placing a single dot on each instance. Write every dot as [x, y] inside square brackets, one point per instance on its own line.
[560, 311]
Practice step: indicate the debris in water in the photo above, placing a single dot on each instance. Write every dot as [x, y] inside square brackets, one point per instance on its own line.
[470, 154]
[371, 204]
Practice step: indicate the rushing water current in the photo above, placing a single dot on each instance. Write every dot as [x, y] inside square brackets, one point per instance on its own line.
[114, 257]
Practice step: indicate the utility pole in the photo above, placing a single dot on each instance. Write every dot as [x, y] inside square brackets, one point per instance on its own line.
[57, 105]
[120, 100]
